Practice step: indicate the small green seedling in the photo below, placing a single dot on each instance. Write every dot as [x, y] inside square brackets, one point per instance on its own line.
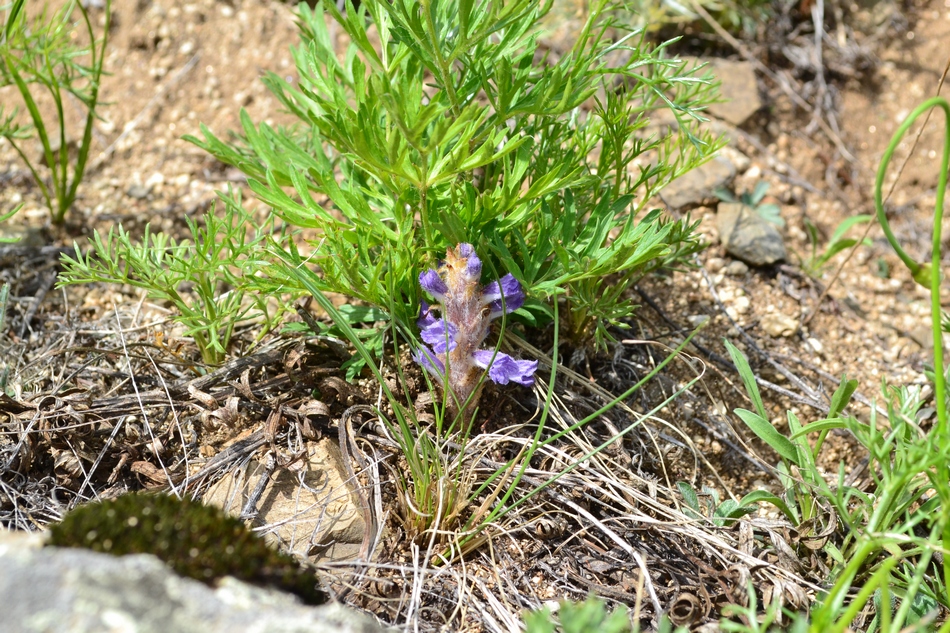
[768, 211]
[814, 265]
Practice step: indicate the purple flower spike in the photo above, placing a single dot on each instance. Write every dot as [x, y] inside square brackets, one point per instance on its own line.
[505, 369]
[441, 336]
[432, 283]
[514, 296]
[453, 341]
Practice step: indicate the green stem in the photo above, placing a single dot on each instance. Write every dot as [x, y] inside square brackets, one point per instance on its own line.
[39, 181]
[97, 62]
[926, 275]
[443, 66]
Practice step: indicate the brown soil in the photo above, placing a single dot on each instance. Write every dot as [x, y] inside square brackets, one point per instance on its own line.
[176, 65]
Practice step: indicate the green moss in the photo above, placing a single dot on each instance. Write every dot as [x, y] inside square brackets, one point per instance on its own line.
[195, 540]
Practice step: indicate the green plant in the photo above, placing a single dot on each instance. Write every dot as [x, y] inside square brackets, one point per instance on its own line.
[589, 616]
[41, 55]
[6, 216]
[441, 495]
[741, 17]
[768, 211]
[798, 501]
[445, 123]
[706, 504]
[748, 619]
[893, 532]
[204, 278]
[814, 265]
[878, 542]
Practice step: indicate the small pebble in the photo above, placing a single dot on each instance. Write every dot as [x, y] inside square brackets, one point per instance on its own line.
[715, 264]
[742, 305]
[777, 324]
[737, 269]
[139, 192]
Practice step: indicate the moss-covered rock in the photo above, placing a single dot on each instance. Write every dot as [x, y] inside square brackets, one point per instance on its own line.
[195, 540]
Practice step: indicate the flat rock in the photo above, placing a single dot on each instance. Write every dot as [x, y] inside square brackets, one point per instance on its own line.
[699, 185]
[739, 90]
[80, 591]
[311, 509]
[747, 236]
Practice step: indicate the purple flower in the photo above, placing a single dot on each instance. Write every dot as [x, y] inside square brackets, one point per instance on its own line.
[429, 361]
[440, 335]
[514, 296]
[454, 340]
[504, 369]
[425, 316]
[432, 283]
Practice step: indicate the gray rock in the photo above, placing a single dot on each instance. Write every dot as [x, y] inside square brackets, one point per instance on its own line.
[78, 591]
[696, 186]
[739, 91]
[139, 192]
[746, 236]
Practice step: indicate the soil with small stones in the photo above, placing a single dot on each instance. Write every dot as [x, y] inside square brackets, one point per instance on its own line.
[175, 65]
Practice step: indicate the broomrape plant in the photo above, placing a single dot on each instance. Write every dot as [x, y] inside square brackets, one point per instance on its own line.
[452, 355]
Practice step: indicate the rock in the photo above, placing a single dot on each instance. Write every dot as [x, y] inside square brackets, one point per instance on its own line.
[739, 90]
[304, 517]
[28, 236]
[737, 158]
[696, 320]
[777, 324]
[137, 191]
[747, 236]
[80, 591]
[715, 264]
[700, 184]
[736, 269]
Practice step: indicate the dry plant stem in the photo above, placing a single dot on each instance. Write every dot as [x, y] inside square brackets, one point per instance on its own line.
[118, 426]
[867, 229]
[781, 81]
[350, 451]
[172, 408]
[600, 392]
[674, 520]
[249, 511]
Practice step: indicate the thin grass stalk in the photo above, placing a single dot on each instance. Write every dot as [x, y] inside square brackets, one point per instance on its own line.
[926, 275]
[97, 65]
